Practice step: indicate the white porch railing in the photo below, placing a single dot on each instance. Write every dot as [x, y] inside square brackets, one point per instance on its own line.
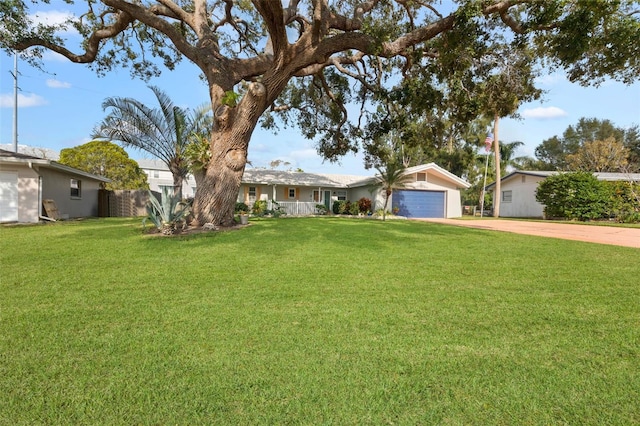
[296, 208]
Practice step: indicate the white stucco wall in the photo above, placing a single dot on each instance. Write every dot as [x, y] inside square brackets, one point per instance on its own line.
[523, 197]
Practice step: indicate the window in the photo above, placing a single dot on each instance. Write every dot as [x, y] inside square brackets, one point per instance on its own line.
[76, 188]
[524, 179]
[292, 193]
[252, 194]
[342, 195]
[316, 195]
[156, 174]
[506, 196]
[421, 177]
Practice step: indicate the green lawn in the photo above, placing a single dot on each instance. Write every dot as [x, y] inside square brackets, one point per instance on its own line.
[315, 321]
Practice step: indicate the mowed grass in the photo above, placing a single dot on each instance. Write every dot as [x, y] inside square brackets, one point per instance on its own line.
[315, 321]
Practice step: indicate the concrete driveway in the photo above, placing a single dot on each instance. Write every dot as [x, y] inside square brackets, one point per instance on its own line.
[627, 237]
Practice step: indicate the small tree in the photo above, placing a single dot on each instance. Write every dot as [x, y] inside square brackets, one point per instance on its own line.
[391, 177]
[162, 132]
[106, 159]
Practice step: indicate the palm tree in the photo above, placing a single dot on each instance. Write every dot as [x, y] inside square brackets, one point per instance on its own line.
[162, 132]
[391, 177]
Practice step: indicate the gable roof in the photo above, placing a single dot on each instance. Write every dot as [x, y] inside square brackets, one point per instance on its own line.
[606, 176]
[430, 167]
[9, 157]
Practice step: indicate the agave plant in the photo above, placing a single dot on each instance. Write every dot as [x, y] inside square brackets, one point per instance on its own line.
[166, 214]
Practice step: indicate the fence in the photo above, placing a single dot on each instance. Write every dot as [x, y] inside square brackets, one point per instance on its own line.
[297, 208]
[123, 203]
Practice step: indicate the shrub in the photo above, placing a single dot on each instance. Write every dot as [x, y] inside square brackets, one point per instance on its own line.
[577, 195]
[277, 211]
[354, 209]
[343, 206]
[259, 207]
[624, 203]
[364, 205]
[335, 208]
[241, 208]
[321, 209]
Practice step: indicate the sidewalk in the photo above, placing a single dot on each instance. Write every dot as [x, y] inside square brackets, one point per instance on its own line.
[627, 237]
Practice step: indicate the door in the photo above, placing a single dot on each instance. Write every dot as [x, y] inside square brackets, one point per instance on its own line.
[414, 203]
[8, 197]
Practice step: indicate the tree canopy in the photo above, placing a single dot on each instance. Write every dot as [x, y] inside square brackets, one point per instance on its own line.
[106, 159]
[308, 62]
[577, 149]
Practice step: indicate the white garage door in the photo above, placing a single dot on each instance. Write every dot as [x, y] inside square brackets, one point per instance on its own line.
[8, 197]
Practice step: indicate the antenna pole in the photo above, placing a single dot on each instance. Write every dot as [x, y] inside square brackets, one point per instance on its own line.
[15, 101]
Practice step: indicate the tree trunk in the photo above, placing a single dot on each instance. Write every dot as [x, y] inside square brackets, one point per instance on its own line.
[217, 193]
[497, 194]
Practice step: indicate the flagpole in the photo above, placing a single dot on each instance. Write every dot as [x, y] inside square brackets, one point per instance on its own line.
[487, 147]
[484, 185]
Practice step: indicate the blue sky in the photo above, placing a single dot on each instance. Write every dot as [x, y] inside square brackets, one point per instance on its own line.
[58, 109]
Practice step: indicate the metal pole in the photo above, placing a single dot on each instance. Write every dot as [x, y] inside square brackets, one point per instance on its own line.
[15, 101]
[484, 185]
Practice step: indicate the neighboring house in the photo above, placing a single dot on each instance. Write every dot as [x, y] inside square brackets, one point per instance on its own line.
[159, 176]
[518, 191]
[26, 182]
[431, 192]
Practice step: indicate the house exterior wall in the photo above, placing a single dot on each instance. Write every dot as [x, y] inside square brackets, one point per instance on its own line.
[57, 187]
[158, 178]
[523, 197]
[27, 191]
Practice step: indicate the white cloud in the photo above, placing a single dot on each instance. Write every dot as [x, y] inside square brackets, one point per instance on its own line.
[57, 84]
[541, 113]
[51, 17]
[551, 79]
[304, 154]
[55, 17]
[24, 101]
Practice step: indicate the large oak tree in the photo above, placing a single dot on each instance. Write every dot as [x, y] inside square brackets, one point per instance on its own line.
[262, 57]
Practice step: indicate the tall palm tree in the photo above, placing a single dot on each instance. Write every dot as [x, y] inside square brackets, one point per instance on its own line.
[391, 177]
[162, 132]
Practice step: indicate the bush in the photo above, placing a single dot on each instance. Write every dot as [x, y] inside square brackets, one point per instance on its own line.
[574, 196]
[241, 208]
[259, 207]
[321, 209]
[364, 205]
[354, 209]
[624, 203]
[336, 207]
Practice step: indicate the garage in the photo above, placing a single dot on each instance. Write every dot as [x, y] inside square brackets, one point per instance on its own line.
[414, 203]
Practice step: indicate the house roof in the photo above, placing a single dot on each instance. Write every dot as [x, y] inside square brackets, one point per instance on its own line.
[278, 177]
[433, 167]
[9, 157]
[635, 177]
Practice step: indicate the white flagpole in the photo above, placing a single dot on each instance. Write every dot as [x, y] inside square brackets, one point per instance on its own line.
[484, 185]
